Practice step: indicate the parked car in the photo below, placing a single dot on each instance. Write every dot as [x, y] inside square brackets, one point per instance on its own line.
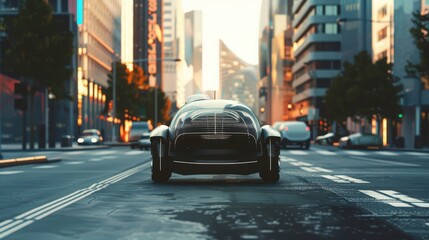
[136, 131]
[144, 141]
[295, 133]
[90, 137]
[361, 140]
[215, 137]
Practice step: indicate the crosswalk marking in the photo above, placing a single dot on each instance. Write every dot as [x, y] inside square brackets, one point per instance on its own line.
[96, 159]
[324, 152]
[416, 153]
[10, 172]
[315, 169]
[286, 159]
[298, 164]
[387, 153]
[343, 179]
[395, 199]
[298, 152]
[103, 153]
[133, 152]
[356, 153]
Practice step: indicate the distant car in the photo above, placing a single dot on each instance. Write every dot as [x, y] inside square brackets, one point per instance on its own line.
[361, 140]
[90, 137]
[295, 133]
[144, 141]
[136, 131]
[215, 137]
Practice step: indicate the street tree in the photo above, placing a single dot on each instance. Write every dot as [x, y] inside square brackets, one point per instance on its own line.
[363, 90]
[38, 51]
[420, 33]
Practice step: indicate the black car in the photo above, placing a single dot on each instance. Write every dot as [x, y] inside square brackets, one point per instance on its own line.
[90, 137]
[136, 131]
[215, 137]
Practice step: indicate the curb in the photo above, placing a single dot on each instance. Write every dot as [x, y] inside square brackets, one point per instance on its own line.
[27, 160]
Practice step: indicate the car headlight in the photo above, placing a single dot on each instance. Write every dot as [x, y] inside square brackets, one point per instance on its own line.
[94, 140]
[80, 140]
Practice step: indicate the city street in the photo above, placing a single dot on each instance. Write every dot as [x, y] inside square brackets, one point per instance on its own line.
[323, 193]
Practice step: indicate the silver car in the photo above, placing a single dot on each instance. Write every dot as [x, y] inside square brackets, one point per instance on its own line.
[295, 133]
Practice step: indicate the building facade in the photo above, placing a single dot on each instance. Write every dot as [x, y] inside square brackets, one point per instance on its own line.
[317, 52]
[193, 52]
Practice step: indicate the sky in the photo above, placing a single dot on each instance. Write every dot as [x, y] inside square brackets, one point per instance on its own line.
[236, 22]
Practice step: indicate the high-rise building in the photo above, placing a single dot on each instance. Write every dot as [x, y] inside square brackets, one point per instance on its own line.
[238, 79]
[193, 52]
[317, 51]
[415, 123]
[174, 47]
[98, 47]
[382, 30]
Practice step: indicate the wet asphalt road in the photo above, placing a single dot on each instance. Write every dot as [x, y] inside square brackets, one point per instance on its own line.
[323, 193]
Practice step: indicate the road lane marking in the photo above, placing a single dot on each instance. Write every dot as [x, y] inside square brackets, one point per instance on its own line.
[10, 172]
[324, 152]
[297, 152]
[108, 157]
[103, 153]
[10, 226]
[427, 224]
[416, 153]
[356, 153]
[315, 169]
[134, 152]
[343, 179]
[46, 167]
[73, 163]
[299, 164]
[388, 162]
[385, 153]
[395, 199]
[74, 153]
[96, 159]
[287, 159]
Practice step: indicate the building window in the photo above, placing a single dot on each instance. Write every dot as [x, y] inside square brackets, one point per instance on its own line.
[328, 28]
[328, 10]
[382, 34]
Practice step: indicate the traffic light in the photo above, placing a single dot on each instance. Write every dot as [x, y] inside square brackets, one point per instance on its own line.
[21, 91]
[400, 115]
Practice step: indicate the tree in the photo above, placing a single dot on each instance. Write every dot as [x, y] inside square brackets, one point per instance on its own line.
[39, 52]
[363, 89]
[420, 33]
[164, 105]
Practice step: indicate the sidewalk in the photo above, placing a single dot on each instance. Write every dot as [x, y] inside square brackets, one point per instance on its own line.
[12, 154]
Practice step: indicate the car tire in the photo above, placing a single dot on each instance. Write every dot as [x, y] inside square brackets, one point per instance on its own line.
[269, 165]
[306, 145]
[160, 169]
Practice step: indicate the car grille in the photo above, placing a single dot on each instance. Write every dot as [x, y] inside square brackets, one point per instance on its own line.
[216, 123]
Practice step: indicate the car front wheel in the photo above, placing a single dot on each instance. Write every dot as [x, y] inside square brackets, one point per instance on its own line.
[269, 167]
[160, 168]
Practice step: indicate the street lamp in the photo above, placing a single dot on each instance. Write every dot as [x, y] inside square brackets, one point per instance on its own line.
[141, 60]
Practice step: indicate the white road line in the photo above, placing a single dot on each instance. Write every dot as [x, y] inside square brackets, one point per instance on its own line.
[356, 153]
[103, 153]
[10, 172]
[297, 152]
[385, 153]
[351, 179]
[10, 226]
[324, 152]
[427, 224]
[286, 159]
[388, 162]
[96, 159]
[46, 166]
[309, 169]
[108, 157]
[298, 164]
[395, 199]
[416, 153]
[315, 169]
[322, 169]
[335, 179]
[73, 163]
[133, 152]
[74, 153]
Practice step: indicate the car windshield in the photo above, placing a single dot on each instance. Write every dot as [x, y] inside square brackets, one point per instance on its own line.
[86, 134]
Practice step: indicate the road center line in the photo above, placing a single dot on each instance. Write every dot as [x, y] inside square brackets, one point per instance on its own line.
[10, 226]
[384, 161]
